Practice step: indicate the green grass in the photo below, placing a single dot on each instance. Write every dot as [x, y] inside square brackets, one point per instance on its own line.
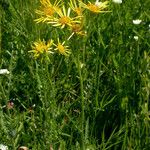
[102, 105]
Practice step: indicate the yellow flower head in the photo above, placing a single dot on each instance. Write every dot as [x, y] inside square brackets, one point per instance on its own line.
[97, 7]
[41, 47]
[47, 10]
[74, 5]
[61, 48]
[64, 18]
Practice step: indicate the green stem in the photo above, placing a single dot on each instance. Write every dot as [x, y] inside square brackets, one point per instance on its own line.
[1, 13]
[82, 104]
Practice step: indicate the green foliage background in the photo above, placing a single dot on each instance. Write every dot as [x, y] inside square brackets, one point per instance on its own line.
[112, 87]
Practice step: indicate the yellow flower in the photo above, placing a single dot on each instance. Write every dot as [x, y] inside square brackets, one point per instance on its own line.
[62, 49]
[47, 10]
[97, 7]
[41, 47]
[64, 18]
[76, 7]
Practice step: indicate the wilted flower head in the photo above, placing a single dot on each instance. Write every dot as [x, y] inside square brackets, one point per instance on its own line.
[138, 21]
[4, 71]
[23, 148]
[10, 104]
[3, 147]
[117, 1]
[77, 29]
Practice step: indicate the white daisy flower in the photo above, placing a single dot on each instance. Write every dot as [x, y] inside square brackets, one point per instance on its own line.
[3, 147]
[136, 38]
[117, 1]
[4, 71]
[138, 21]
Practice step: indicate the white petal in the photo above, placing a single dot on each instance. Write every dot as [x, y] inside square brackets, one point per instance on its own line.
[136, 38]
[138, 21]
[117, 1]
[4, 71]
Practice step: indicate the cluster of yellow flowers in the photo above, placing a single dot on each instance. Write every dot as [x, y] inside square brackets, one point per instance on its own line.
[56, 14]
[41, 47]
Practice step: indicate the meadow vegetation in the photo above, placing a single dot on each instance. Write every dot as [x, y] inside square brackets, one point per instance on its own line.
[78, 84]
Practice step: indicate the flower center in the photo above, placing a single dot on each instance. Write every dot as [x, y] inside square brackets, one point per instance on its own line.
[61, 48]
[64, 20]
[41, 48]
[49, 11]
[93, 7]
